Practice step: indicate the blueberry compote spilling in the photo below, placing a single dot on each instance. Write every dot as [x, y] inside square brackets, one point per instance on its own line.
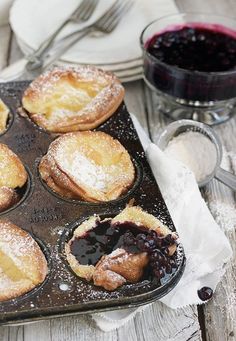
[105, 237]
[195, 48]
[195, 62]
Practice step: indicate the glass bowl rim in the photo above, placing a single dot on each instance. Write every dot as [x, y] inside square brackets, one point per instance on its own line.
[176, 68]
[172, 127]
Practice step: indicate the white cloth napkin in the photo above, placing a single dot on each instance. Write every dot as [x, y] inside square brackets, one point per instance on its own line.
[206, 248]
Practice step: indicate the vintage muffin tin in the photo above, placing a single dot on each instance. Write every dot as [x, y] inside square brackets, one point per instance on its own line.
[52, 219]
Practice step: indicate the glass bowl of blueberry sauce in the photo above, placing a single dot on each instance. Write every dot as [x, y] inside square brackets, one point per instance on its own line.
[190, 62]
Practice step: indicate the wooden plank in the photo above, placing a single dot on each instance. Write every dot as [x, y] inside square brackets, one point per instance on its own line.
[226, 7]
[4, 331]
[134, 100]
[11, 333]
[37, 331]
[5, 36]
[14, 52]
[162, 323]
[220, 312]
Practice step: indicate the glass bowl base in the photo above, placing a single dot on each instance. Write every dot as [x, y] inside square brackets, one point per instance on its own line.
[211, 113]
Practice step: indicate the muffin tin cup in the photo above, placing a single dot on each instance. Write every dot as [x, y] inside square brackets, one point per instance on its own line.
[49, 218]
[68, 234]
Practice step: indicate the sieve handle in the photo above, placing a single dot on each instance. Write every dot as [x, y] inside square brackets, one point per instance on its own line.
[227, 178]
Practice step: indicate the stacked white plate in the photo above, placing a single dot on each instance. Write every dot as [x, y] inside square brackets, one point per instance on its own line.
[33, 21]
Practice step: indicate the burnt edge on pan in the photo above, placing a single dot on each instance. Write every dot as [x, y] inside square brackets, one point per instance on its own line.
[48, 216]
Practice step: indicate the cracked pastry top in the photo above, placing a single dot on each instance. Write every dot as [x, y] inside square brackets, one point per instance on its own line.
[22, 264]
[13, 177]
[89, 166]
[4, 115]
[72, 99]
[132, 246]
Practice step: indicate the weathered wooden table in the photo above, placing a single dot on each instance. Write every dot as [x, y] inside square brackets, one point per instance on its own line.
[216, 321]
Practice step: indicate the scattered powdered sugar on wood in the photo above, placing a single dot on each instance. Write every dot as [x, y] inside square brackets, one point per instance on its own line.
[224, 214]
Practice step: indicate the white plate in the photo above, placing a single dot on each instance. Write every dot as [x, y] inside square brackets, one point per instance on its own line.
[34, 20]
[132, 72]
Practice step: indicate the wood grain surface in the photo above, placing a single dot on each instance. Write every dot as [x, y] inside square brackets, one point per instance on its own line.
[157, 322]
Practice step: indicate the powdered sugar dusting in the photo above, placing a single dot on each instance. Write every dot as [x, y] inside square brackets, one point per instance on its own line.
[86, 171]
[20, 242]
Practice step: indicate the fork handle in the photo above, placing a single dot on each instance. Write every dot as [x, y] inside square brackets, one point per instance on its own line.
[34, 58]
[64, 45]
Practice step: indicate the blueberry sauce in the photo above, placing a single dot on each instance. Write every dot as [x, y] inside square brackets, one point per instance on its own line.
[205, 293]
[106, 237]
[195, 62]
[195, 48]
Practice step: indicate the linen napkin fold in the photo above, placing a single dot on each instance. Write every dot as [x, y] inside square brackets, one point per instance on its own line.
[207, 250]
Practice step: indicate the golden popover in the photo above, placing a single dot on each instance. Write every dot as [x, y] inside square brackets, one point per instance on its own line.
[4, 115]
[72, 99]
[90, 166]
[13, 176]
[23, 265]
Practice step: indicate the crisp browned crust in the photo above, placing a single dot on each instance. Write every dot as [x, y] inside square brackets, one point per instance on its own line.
[22, 264]
[8, 198]
[12, 175]
[12, 171]
[72, 99]
[4, 114]
[132, 214]
[90, 166]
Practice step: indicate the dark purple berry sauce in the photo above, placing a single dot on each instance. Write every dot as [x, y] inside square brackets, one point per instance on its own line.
[195, 62]
[106, 237]
[205, 293]
[195, 48]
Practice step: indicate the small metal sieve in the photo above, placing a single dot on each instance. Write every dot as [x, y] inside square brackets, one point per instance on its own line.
[181, 126]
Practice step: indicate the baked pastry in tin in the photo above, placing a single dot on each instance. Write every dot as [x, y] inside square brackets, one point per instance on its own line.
[113, 251]
[72, 99]
[23, 265]
[13, 176]
[4, 114]
[90, 166]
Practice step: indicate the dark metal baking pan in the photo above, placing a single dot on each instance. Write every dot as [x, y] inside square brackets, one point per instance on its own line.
[48, 217]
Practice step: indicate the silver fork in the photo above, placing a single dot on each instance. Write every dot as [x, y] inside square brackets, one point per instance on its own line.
[82, 13]
[105, 24]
